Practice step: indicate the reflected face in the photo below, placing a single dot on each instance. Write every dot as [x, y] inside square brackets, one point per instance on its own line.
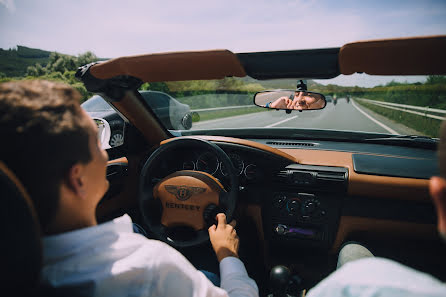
[304, 100]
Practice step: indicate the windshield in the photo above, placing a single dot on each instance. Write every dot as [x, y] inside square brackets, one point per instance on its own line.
[96, 103]
[387, 105]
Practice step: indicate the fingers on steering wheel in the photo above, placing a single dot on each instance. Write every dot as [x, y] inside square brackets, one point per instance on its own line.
[212, 228]
[221, 220]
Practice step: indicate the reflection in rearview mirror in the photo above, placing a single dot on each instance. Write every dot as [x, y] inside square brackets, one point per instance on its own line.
[104, 132]
[289, 100]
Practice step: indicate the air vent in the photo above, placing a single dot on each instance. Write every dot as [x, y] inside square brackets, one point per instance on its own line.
[331, 176]
[283, 173]
[292, 143]
[282, 176]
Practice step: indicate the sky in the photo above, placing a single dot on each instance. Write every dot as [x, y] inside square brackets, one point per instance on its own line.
[113, 28]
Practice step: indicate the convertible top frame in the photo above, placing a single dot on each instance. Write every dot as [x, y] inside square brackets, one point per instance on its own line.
[402, 56]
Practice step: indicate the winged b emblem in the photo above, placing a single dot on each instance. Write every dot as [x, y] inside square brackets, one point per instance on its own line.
[183, 192]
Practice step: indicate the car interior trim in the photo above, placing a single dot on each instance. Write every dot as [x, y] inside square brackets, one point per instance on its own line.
[349, 225]
[175, 66]
[391, 209]
[140, 116]
[314, 63]
[23, 192]
[398, 167]
[403, 56]
[365, 184]
[242, 142]
[122, 160]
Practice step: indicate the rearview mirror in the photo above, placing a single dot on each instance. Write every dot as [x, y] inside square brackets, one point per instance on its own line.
[104, 132]
[290, 100]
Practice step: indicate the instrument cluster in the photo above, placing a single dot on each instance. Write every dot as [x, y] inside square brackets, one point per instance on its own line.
[208, 162]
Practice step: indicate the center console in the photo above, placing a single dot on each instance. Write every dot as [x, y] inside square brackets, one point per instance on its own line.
[304, 206]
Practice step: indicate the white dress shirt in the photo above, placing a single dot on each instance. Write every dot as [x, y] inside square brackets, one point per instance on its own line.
[378, 277]
[111, 260]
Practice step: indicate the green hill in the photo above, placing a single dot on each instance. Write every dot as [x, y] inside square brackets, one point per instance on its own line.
[13, 62]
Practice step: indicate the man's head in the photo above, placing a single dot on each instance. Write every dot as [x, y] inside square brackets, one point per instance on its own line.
[304, 100]
[437, 185]
[51, 145]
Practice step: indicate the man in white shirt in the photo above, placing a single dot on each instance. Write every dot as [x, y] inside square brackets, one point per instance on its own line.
[53, 148]
[373, 276]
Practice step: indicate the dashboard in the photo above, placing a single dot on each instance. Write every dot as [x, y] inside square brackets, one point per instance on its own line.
[252, 166]
[318, 194]
[300, 204]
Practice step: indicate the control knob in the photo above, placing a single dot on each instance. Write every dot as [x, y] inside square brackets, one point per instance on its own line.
[310, 206]
[280, 229]
[293, 206]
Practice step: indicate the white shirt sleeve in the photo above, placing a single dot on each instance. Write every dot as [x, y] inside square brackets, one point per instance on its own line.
[378, 277]
[235, 279]
[176, 276]
[110, 260]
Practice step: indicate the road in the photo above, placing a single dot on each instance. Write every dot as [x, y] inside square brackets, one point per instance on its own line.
[342, 116]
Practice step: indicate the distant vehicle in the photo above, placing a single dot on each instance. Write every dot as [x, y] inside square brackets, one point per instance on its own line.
[329, 99]
[173, 114]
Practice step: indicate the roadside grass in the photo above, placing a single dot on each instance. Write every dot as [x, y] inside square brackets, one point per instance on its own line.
[211, 115]
[426, 126]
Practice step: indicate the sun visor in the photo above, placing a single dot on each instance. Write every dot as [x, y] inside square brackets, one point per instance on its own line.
[405, 56]
[176, 66]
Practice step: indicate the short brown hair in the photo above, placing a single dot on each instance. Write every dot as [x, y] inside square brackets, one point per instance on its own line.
[43, 136]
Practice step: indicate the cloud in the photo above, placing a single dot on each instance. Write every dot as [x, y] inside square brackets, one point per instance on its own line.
[9, 4]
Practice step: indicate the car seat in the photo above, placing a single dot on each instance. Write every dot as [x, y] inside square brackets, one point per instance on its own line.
[21, 247]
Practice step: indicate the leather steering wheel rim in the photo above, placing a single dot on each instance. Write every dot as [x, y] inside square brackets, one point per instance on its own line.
[151, 208]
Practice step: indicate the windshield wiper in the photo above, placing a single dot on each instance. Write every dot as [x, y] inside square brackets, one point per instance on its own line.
[414, 140]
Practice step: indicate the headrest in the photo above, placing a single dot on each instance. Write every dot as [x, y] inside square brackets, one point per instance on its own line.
[21, 248]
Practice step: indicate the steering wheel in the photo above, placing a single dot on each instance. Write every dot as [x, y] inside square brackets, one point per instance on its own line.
[185, 198]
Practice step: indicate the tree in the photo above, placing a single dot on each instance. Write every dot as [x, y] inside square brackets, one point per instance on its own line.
[436, 79]
[86, 58]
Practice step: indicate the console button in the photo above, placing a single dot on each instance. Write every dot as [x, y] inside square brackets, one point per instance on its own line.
[293, 206]
[279, 200]
[310, 206]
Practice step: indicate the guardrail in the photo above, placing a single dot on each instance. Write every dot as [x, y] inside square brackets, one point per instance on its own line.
[222, 108]
[426, 111]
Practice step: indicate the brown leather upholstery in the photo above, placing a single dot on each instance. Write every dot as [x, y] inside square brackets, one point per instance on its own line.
[401, 56]
[21, 248]
[213, 64]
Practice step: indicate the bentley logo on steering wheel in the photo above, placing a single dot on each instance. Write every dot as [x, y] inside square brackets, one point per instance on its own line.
[183, 192]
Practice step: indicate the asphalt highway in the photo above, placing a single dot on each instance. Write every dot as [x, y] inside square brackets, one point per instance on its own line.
[342, 116]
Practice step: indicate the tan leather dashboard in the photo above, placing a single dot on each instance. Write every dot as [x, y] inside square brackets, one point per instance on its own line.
[363, 184]
[359, 185]
[372, 186]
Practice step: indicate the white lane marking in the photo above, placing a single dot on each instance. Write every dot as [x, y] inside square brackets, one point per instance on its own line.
[207, 122]
[375, 120]
[280, 122]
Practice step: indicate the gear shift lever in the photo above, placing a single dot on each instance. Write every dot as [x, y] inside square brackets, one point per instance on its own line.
[279, 279]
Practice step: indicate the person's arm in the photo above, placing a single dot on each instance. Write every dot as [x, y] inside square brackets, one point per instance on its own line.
[225, 242]
[281, 103]
[174, 275]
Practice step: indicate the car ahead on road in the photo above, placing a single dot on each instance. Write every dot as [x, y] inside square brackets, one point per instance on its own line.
[173, 114]
[301, 180]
